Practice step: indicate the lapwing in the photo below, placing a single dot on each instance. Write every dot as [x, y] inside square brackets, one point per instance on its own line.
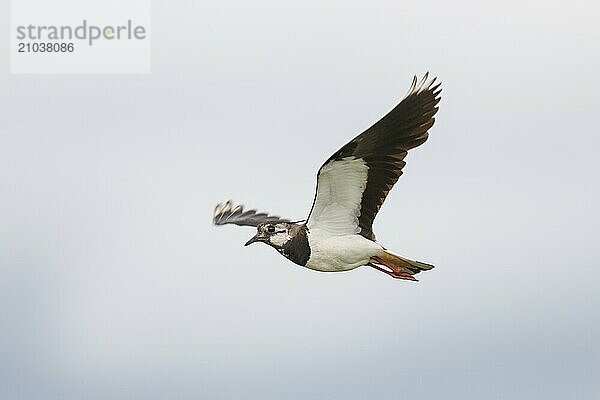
[351, 187]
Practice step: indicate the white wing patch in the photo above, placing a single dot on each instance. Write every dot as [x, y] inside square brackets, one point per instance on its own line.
[340, 186]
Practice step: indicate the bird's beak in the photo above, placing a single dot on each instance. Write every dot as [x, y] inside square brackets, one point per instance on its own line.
[253, 239]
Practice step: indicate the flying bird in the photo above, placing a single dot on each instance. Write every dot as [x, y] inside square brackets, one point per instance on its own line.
[351, 188]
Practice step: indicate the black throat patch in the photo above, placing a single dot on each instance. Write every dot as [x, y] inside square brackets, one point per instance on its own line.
[297, 248]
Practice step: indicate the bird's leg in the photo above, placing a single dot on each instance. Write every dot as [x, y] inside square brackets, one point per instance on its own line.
[396, 272]
[378, 268]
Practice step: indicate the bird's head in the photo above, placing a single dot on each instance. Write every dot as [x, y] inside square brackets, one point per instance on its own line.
[275, 234]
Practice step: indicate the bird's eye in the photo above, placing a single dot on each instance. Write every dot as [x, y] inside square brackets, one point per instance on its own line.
[270, 229]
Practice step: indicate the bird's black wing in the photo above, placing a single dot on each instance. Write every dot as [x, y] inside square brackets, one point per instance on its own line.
[354, 182]
[228, 214]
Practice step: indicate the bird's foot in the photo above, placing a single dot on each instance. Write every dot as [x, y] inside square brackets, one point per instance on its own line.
[394, 271]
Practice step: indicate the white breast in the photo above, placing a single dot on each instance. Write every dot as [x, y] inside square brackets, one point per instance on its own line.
[339, 253]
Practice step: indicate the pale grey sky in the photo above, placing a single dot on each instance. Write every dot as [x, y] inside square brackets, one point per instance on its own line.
[114, 285]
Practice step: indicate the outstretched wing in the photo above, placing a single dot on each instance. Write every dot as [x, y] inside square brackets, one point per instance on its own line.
[228, 214]
[354, 182]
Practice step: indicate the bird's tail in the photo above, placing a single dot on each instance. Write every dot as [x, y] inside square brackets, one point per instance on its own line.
[401, 268]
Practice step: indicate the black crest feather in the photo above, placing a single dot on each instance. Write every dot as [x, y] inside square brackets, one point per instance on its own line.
[227, 213]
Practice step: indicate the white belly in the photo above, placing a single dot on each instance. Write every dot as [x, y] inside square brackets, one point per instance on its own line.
[339, 253]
